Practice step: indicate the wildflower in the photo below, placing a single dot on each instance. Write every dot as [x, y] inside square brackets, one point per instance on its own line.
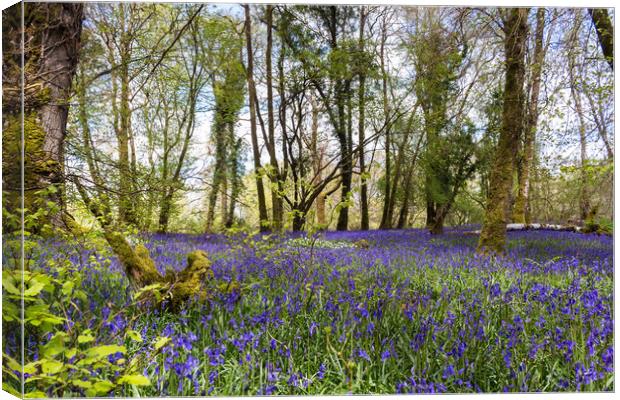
[321, 374]
[361, 353]
[448, 371]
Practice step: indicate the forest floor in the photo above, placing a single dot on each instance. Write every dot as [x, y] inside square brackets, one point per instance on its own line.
[352, 312]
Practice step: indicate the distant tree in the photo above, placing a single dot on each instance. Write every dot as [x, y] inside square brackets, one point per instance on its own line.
[229, 94]
[520, 213]
[573, 72]
[438, 61]
[262, 208]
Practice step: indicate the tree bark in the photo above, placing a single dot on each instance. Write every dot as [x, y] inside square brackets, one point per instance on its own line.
[404, 210]
[274, 174]
[493, 234]
[219, 168]
[398, 165]
[365, 223]
[140, 269]
[385, 222]
[584, 196]
[521, 205]
[599, 120]
[51, 51]
[262, 208]
[126, 200]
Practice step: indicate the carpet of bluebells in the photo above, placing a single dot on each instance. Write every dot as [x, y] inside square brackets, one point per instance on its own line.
[405, 313]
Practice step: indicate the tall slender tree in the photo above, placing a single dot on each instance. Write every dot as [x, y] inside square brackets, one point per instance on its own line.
[520, 208]
[262, 207]
[574, 46]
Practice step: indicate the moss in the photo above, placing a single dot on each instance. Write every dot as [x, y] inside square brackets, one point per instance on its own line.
[518, 213]
[36, 163]
[139, 266]
[192, 280]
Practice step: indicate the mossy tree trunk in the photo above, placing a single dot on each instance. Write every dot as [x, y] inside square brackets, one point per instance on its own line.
[493, 234]
[228, 102]
[126, 210]
[175, 288]
[520, 212]
[52, 41]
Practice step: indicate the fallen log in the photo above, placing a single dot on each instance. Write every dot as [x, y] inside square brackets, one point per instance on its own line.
[173, 288]
[553, 227]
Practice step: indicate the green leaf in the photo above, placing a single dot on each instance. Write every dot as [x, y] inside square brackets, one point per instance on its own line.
[138, 380]
[37, 394]
[6, 372]
[8, 388]
[81, 384]
[67, 287]
[12, 363]
[51, 366]
[10, 312]
[55, 346]
[161, 342]
[31, 367]
[85, 338]
[105, 350]
[34, 289]
[147, 289]
[134, 335]
[7, 284]
[103, 387]
[71, 352]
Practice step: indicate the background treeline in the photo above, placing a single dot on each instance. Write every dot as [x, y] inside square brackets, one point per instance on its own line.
[201, 118]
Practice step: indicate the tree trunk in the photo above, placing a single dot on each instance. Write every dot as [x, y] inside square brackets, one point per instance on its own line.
[218, 171]
[440, 216]
[274, 175]
[164, 213]
[584, 201]
[365, 223]
[522, 201]
[385, 222]
[298, 221]
[236, 184]
[398, 165]
[493, 234]
[175, 288]
[282, 113]
[50, 50]
[126, 198]
[262, 208]
[599, 121]
[404, 209]
[605, 33]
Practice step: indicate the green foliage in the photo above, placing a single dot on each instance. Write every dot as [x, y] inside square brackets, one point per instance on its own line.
[55, 297]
